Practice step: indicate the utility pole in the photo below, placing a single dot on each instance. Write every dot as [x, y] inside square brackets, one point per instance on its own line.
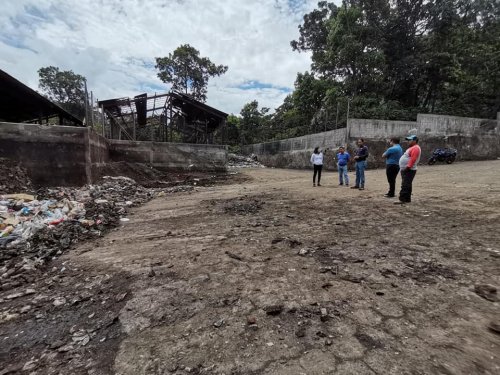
[326, 117]
[337, 117]
[347, 132]
[348, 107]
[92, 109]
[86, 103]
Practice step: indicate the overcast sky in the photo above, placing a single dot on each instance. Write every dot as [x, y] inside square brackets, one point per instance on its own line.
[114, 43]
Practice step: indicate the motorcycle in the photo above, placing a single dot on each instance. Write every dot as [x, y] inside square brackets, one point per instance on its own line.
[447, 155]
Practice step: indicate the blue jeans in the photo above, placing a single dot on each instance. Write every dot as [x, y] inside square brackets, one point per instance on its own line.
[360, 173]
[343, 176]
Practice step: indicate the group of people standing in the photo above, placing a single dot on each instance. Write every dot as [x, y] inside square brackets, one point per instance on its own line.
[396, 161]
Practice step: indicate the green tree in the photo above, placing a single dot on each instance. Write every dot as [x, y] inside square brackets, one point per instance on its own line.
[233, 130]
[187, 71]
[65, 88]
[397, 58]
[253, 123]
[308, 95]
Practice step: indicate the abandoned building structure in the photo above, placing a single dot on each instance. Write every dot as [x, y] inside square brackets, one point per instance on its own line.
[22, 104]
[168, 117]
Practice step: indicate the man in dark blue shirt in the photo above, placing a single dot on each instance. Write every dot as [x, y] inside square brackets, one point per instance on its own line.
[360, 159]
[392, 156]
[343, 158]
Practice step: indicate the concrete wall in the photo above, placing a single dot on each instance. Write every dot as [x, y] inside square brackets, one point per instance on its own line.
[170, 155]
[51, 154]
[437, 125]
[74, 156]
[374, 129]
[475, 139]
[296, 152]
[97, 155]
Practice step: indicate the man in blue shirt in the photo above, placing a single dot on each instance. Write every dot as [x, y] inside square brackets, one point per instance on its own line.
[343, 158]
[392, 156]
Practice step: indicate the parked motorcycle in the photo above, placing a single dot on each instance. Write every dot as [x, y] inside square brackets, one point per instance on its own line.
[447, 155]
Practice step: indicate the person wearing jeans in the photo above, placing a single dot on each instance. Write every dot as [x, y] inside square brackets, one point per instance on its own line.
[408, 165]
[317, 162]
[392, 156]
[360, 159]
[343, 158]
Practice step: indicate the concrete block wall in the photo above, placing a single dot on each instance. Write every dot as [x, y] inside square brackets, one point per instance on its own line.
[475, 139]
[170, 155]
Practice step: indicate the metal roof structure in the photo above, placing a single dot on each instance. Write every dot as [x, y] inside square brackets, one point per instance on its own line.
[19, 103]
[164, 117]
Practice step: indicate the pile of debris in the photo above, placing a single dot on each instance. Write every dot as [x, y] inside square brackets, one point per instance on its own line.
[34, 229]
[240, 161]
[13, 177]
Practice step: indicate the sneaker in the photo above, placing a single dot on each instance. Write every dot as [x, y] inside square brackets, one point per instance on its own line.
[341, 184]
[319, 184]
[388, 196]
[354, 187]
[361, 188]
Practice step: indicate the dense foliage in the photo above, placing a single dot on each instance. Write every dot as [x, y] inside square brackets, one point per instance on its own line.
[64, 88]
[389, 59]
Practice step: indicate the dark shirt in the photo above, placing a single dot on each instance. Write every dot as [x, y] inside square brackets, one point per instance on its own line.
[362, 153]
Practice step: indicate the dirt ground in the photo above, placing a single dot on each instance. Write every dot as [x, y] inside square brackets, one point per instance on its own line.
[272, 276]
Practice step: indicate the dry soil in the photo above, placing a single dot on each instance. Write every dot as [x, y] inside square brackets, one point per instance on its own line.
[273, 276]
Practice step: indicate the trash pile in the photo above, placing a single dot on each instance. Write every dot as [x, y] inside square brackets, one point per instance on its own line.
[34, 229]
[239, 161]
[13, 177]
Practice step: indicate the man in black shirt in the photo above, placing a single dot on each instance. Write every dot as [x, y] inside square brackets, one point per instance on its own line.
[360, 159]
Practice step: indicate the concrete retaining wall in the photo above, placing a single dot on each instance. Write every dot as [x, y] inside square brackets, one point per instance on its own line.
[74, 156]
[437, 125]
[97, 155]
[374, 129]
[475, 139]
[170, 155]
[55, 154]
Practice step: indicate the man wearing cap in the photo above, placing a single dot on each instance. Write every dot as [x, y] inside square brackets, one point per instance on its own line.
[408, 165]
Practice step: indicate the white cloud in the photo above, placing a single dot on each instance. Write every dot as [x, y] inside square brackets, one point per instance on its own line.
[113, 43]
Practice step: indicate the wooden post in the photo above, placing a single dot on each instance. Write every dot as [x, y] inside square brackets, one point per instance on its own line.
[103, 119]
[134, 131]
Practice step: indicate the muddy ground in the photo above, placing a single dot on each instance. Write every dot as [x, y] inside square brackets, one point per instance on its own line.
[272, 276]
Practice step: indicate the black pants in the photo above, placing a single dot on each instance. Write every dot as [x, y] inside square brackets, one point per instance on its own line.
[392, 171]
[406, 185]
[317, 171]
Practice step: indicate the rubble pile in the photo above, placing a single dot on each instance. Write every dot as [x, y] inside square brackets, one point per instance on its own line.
[13, 177]
[240, 161]
[33, 229]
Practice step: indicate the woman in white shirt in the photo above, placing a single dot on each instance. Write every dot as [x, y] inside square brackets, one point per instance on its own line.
[317, 162]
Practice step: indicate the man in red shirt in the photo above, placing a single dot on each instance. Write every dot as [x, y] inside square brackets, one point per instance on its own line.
[408, 165]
